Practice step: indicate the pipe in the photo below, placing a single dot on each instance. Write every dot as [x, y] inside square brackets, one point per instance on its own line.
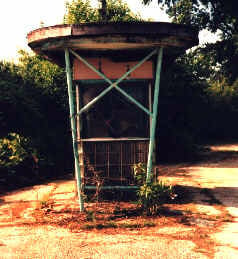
[154, 117]
[73, 128]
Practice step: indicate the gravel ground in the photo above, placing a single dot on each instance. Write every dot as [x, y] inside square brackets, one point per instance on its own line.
[21, 237]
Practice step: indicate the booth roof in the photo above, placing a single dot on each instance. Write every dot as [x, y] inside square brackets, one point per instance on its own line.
[118, 40]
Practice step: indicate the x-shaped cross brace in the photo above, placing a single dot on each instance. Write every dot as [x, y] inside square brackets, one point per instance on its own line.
[113, 85]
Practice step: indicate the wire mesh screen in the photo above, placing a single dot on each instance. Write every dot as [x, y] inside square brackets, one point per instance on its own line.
[112, 161]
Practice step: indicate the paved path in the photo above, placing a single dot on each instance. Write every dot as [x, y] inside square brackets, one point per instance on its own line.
[221, 178]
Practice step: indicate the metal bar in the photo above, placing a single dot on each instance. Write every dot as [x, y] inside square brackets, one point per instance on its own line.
[115, 84]
[134, 101]
[90, 187]
[73, 128]
[88, 105]
[108, 159]
[79, 143]
[98, 81]
[154, 117]
[78, 117]
[79, 130]
[150, 102]
[121, 167]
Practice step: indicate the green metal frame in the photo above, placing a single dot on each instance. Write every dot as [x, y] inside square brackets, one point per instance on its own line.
[154, 117]
[73, 128]
[104, 92]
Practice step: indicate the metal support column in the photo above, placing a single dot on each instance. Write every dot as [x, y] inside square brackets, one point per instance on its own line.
[154, 116]
[73, 128]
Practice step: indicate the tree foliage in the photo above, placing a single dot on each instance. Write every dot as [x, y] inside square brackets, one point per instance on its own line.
[81, 11]
[43, 74]
[14, 149]
[33, 109]
[210, 14]
[217, 59]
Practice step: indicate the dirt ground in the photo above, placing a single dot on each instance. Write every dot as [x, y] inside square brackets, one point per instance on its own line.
[44, 221]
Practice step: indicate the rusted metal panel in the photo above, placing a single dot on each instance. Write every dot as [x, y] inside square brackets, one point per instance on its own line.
[110, 69]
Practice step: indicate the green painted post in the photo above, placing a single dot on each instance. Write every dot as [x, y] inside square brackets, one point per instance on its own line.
[73, 128]
[154, 117]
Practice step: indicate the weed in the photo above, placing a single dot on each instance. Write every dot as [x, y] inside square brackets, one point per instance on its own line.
[106, 225]
[112, 224]
[88, 226]
[90, 215]
[45, 202]
[153, 194]
[227, 217]
[137, 225]
[99, 225]
[140, 173]
[117, 209]
[149, 224]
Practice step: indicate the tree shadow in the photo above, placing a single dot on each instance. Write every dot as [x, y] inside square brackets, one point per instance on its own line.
[217, 156]
[206, 196]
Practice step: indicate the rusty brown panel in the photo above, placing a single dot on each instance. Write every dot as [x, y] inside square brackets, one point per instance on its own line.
[112, 70]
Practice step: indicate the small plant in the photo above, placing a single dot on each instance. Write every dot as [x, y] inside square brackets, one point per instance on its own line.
[96, 180]
[90, 215]
[139, 173]
[117, 209]
[99, 225]
[45, 202]
[151, 195]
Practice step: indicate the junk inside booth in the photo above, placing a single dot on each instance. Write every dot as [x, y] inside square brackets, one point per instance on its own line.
[114, 133]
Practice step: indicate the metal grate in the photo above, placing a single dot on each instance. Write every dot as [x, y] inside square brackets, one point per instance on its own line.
[113, 161]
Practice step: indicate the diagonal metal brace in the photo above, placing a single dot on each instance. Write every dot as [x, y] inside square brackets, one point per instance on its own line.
[115, 84]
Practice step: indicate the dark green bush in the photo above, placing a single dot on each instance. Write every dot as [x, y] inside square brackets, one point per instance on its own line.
[18, 162]
[14, 149]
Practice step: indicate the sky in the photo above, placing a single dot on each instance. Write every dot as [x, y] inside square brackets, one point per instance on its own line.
[19, 17]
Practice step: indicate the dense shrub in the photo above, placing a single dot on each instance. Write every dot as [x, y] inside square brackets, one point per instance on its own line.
[14, 149]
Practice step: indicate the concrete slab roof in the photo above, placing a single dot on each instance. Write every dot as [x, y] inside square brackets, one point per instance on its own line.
[120, 40]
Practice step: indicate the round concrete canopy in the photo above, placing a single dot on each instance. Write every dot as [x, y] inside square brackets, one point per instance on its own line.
[119, 40]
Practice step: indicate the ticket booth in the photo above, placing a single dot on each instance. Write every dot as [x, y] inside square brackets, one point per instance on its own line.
[113, 76]
[114, 134]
